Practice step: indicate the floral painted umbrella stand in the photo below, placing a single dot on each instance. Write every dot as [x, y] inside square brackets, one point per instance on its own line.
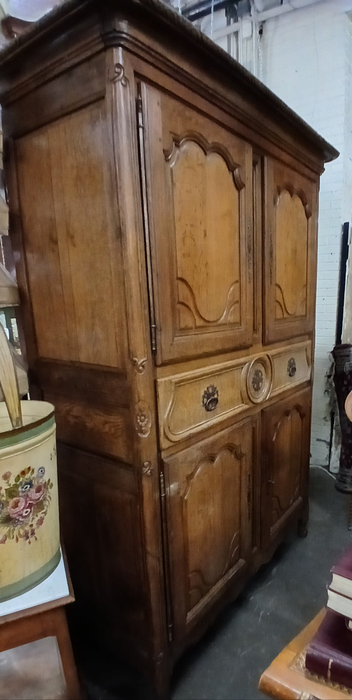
[29, 517]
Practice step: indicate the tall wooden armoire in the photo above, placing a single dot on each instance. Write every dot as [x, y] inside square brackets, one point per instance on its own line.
[164, 222]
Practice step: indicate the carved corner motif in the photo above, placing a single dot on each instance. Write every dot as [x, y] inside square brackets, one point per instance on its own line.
[293, 192]
[139, 365]
[187, 300]
[210, 459]
[172, 153]
[280, 301]
[238, 452]
[147, 469]
[143, 419]
[237, 178]
[119, 75]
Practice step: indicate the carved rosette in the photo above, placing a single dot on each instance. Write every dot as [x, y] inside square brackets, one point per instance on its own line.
[143, 419]
[259, 379]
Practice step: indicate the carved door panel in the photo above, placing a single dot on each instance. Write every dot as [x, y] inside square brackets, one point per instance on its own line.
[286, 441]
[208, 519]
[290, 252]
[198, 194]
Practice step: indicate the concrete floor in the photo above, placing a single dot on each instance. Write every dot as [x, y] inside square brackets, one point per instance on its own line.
[281, 599]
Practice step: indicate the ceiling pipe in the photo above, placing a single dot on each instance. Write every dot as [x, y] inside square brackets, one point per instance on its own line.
[267, 14]
[201, 9]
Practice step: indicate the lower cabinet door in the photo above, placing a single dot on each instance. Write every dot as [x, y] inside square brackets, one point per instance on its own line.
[208, 522]
[286, 444]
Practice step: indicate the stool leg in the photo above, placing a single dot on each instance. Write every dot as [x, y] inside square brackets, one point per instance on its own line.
[67, 658]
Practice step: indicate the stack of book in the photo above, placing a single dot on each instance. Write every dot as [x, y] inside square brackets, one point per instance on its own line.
[329, 654]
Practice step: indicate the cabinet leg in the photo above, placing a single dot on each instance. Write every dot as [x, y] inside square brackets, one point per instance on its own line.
[302, 529]
[160, 678]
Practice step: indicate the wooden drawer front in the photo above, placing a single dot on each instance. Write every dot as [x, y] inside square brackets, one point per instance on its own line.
[192, 401]
[186, 401]
[291, 366]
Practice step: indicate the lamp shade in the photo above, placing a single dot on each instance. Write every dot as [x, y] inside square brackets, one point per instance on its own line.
[9, 295]
[4, 217]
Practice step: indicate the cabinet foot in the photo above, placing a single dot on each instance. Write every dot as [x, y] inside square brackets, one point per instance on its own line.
[161, 677]
[302, 530]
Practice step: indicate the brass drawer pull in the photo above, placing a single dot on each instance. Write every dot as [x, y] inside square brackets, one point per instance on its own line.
[291, 367]
[210, 398]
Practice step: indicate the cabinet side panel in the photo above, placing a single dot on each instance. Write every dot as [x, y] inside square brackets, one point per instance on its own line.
[100, 521]
[64, 205]
[70, 242]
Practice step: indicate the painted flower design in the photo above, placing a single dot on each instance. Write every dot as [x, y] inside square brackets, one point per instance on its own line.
[16, 506]
[26, 487]
[24, 503]
[36, 493]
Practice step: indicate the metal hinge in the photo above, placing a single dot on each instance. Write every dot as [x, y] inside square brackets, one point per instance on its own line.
[144, 192]
[268, 475]
[170, 626]
[162, 485]
[153, 336]
[249, 497]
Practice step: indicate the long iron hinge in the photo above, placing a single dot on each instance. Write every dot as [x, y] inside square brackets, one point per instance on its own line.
[144, 192]
[153, 336]
[249, 497]
[162, 485]
[165, 540]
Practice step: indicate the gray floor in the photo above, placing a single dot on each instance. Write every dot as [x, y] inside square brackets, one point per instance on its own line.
[281, 599]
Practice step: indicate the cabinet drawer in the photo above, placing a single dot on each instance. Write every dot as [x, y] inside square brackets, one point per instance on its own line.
[192, 401]
[291, 366]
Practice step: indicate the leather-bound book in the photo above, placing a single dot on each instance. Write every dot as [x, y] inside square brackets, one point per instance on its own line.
[342, 574]
[330, 652]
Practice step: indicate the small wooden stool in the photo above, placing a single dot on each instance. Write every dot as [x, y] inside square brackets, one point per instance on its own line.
[36, 658]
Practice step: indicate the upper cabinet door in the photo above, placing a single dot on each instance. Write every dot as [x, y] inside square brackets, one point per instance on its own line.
[290, 252]
[198, 196]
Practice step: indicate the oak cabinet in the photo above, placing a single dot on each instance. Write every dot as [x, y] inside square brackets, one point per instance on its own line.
[164, 218]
